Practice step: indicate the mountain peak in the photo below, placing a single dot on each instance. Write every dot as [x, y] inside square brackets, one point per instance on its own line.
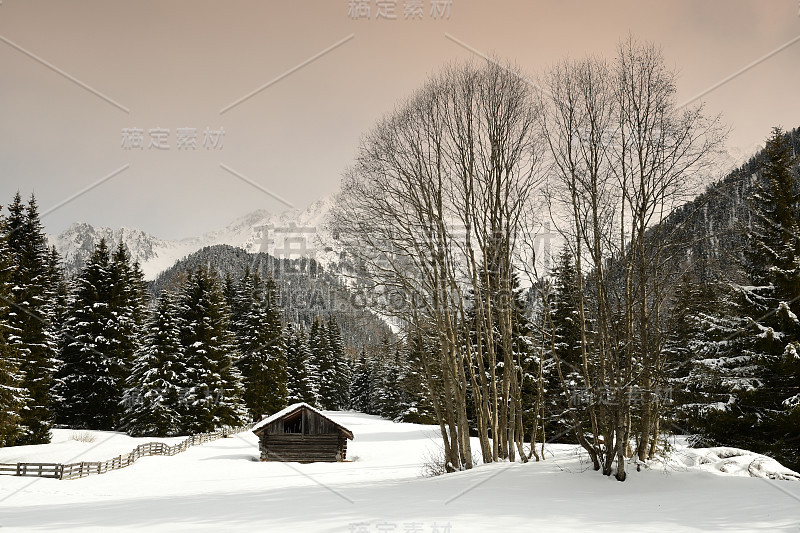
[291, 233]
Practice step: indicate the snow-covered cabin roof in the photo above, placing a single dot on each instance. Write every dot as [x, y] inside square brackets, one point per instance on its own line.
[286, 411]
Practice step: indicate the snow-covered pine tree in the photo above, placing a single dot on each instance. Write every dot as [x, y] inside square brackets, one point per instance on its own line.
[91, 380]
[387, 397]
[57, 299]
[212, 384]
[566, 343]
[260, 342]
[233, 300]
[721, 368]
[694, 343]
[138, 296]
[418, 402]
[153, 398]
[323, 364]
[759, 367]
[526, 359]
[129, 302]
[776, 237]
[341, 365]
[312, 363]
[361, 386]
[275, 369]
[33, 334]
[298, 380]
[13, 396]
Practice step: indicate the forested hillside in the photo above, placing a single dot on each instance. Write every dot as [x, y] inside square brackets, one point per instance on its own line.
[714, 224]
[733, 358]
[305, 290]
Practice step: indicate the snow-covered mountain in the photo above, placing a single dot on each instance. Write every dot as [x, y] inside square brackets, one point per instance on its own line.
[289, 234]
[732, 158]
[292, 234]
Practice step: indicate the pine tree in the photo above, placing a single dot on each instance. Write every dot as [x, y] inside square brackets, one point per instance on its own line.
[523, 353]
[13, 395]
[129, 302]
[92, 377]
[341, 366]
[775, 234]
[695, 337]
[564, 309]
[212, 383]
[153, 399]
[323, 365]
[260, 342]
[566, 341]
[758, 364]
[418, 404]
[57, 298]
[361, 389]
[138, 297]
[298, 380]
[387, 397]
[30, 320]
[233, 300]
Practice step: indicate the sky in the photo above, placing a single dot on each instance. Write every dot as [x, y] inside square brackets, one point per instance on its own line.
[100, 100]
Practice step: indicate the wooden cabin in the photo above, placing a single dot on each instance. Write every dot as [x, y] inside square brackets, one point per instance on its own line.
[301, 434]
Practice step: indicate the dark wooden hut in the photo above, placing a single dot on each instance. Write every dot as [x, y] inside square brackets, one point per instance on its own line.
[301, 434]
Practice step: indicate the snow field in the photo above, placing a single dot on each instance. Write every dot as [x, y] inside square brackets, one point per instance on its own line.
[221, 486]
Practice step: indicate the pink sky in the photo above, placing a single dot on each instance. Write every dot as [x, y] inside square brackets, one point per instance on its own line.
[176, 63]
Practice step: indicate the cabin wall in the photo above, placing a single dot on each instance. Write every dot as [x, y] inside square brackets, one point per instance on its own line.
[303, 448]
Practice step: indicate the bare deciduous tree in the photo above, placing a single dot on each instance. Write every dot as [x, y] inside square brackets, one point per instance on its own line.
[623, 156]
[431, 212]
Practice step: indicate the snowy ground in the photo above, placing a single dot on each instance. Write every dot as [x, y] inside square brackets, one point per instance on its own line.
[220, 486]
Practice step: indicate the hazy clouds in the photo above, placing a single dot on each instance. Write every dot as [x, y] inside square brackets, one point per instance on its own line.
[177, 64]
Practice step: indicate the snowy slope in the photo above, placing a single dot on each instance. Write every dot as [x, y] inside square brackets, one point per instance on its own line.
[72, 446]
[219, 486]
[293, 233]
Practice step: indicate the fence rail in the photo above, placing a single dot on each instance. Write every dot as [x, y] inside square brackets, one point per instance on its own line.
[88, 468]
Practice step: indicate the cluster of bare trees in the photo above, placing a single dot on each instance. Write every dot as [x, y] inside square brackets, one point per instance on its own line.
[440, 208]
[623, 157]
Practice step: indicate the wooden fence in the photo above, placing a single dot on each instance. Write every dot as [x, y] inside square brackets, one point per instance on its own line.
[87, 468]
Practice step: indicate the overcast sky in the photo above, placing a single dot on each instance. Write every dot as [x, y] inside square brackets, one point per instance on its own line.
[74, 74]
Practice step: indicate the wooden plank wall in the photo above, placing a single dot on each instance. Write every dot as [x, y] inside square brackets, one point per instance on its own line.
[303, 448]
